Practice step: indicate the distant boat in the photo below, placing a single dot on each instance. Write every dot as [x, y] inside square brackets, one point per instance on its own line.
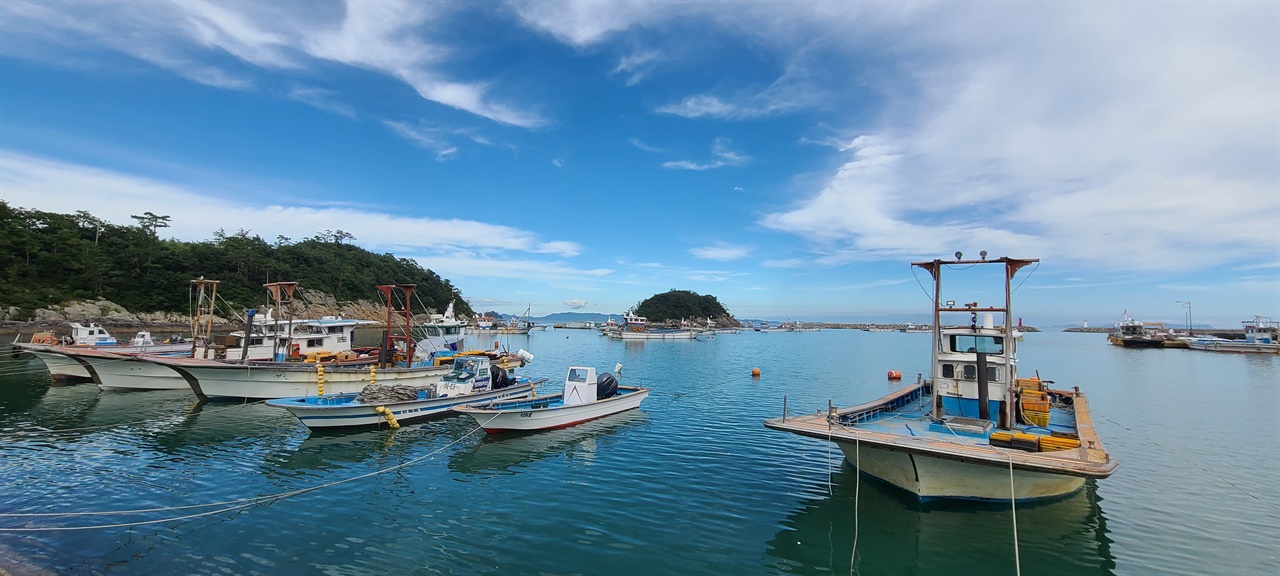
[1261, 336]
[635, 327]
[1130, 333]
[585, 397]
[974, 430]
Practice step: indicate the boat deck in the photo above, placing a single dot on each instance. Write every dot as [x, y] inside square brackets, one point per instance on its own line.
[901, 422]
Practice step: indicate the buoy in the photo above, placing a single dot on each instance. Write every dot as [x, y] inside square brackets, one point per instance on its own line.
[755, 372]
[895, 375]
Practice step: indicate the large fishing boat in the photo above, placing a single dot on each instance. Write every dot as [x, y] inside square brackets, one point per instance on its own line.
[636, 327]
[973, 430]
[1261, 336]
[1130, 333]
[53, 351]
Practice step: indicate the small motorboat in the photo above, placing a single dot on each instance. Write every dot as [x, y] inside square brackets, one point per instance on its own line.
[471, 380]
[585, 397]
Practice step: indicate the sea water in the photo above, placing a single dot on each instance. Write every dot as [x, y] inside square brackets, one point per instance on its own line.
[691, 483]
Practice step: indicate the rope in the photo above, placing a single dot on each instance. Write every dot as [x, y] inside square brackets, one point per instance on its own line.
[857, 489]
[237, 504]
[1013, 505]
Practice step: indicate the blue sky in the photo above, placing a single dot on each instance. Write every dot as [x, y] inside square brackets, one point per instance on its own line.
[789, 158]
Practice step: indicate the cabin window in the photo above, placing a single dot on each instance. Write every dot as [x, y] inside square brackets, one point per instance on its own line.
[977, 343]
[970, 372]
[433, 331]
[948, 370]
[255, 341]
[993, 374]
[315, 342]
[335, 329]
[577, 375]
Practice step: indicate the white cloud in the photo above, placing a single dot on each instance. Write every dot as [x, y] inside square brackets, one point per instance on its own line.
[721, 153]
[557, 162]
[641, 145]
[721, 251]
[576, 304]
[36, 183]
[189, 38]
[321, 99]
[1099, 139]
[636, 66]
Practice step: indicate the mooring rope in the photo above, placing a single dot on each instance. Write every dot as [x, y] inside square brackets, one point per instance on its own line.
[236, 504]
[1013, 505]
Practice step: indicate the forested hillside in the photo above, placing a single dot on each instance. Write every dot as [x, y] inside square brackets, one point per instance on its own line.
[48, 258]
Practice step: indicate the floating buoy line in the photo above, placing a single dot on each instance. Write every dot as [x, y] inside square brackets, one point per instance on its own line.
[227, 505]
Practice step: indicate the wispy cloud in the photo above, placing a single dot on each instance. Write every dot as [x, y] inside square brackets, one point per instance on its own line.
[721, 251]
[575, 304]
[321, 99]
[647, 148]
[32, 182]
[192, 39]
[636, 66]
[429, 138]
[721, 153]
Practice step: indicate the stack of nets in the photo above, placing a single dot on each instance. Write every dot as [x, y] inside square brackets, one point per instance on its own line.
[376, 394]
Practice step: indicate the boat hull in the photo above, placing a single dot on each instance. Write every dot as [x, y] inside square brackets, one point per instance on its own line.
[211, 379]
[1234, 346]
[928, 477]
[341, 411]
[117, 372]
[60, 366]
[517, 420]
[678, 335]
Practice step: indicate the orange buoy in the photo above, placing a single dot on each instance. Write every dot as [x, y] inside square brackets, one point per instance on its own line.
[895, 375]
[755, 372]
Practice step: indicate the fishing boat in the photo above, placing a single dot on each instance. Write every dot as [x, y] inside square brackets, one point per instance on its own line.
[1261, 336]
[397, 360]
[585, 397]
[471, 379]
[974, 429]
[112, 371]
[54, 352]
[1130, 333]
[636, 328]
[440, 333]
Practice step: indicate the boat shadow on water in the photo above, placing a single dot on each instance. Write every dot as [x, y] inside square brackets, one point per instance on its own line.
[515, 450]
[900, 534]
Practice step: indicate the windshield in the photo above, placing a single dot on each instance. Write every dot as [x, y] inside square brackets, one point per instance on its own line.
[462, 370]
[577, 374]
[975, 343]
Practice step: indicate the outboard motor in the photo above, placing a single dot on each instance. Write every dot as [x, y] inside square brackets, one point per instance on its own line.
[606, 386]
[498, 378]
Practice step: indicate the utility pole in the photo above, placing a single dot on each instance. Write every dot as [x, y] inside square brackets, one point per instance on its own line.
[1187, 305]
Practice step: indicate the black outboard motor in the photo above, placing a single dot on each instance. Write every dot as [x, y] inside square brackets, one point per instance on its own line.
[498, 378]
[606, 386]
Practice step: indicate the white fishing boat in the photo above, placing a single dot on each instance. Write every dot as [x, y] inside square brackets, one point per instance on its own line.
[1261, 336]
[440, 332]
[636, 328]
[585, 397]
[111, 371]
[1130, 333]
[973, 430]
[53, 351]
[471, 379]
[396, 361]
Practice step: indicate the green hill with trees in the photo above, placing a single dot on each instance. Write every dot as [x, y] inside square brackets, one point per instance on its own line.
[681, 304]
[49, 258]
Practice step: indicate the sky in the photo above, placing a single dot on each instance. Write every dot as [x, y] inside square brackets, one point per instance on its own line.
[790, 158]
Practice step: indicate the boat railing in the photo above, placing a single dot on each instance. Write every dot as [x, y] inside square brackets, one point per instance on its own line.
[873, 410]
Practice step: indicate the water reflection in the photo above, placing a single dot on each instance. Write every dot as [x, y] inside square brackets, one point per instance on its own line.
[899, 535]
[503, 452]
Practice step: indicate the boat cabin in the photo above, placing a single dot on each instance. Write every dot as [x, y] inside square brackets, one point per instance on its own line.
[91, 335]
[1261, 330]
[973, 365]
[634, 323]
[580, 386]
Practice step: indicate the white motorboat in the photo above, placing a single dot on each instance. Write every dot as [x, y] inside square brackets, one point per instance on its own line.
[636, 328]
[1261, 336]
[472, 379]
[585, 397]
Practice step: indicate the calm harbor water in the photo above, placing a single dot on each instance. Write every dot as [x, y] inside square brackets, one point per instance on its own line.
[690, 484]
